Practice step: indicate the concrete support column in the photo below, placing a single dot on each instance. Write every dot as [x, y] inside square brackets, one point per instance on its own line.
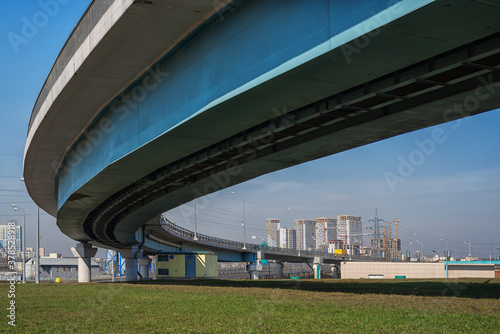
[256, 266]
[279, 270]
[130, 269]
[130, 254]
[317, 270]
[84, 252]
[254, 274]
[336, 271]
[144, 263]
[317, 267]
[254, 269]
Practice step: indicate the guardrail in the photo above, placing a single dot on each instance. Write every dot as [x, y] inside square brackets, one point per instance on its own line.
[189, 235]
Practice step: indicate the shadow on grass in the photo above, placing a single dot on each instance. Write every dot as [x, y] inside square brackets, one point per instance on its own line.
[471, 288]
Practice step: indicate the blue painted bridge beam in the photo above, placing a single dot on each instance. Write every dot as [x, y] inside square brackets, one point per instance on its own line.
[151, 105]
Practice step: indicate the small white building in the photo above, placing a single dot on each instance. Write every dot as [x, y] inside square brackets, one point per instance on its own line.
[52, 267]
[447, 269]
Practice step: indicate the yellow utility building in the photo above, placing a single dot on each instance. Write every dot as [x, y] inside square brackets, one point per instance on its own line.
[192, 264]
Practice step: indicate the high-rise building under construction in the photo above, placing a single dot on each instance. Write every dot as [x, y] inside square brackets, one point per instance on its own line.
[326, 231]
[350, 231]
[273, 235]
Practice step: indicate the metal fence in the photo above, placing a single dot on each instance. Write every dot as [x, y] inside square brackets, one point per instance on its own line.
[270, 270]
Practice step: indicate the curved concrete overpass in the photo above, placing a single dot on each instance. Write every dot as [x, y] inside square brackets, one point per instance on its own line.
[153, 103]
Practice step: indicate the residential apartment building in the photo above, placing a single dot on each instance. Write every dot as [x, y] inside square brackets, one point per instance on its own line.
[306, 231]
[326, 231]
[288, 238]
[14, 236]
[350, 230]
[273, 234]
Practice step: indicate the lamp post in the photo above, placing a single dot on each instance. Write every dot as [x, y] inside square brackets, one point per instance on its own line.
[37, 273]
[243, 222]
[447, 248]
[195, 235]
[23, 240]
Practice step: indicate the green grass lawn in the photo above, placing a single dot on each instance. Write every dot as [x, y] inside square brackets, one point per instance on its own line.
[271, 306]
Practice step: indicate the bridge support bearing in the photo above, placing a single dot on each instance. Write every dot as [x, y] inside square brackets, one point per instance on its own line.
[317, 267]
[84, 252]
[130, 255]
[144, 263]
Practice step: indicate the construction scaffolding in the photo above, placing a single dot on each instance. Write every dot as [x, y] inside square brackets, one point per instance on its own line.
[391, 246]
[114, 263]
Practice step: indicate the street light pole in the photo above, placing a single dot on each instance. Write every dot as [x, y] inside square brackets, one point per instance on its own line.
[195, 235]
[23, 241]
[37, 274]
[243, 222]
[244, 227]
[447, 249]
[244, 235]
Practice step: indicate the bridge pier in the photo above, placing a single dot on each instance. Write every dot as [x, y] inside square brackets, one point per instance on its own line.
[317, 267]
[279, 270]
[84, 252]
[256, 266]
[130, 254]
[144, 263]
[254, 271]
[336, 271]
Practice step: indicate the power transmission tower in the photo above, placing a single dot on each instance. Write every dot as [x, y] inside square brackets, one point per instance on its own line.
[376, 234]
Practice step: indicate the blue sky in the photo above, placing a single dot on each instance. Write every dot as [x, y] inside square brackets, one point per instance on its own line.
[453, 193]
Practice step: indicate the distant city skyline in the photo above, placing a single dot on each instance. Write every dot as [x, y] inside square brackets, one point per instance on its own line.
[444, 192]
